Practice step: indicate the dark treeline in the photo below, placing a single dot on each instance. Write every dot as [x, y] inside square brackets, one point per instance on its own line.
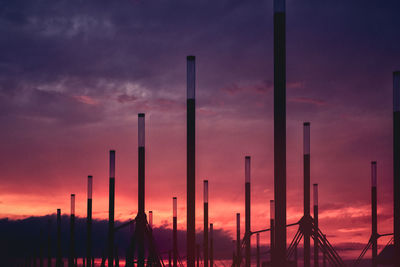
[29, 237]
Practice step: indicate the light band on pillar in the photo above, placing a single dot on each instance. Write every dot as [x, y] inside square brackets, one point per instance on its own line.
[191, 77]
[373, 174]
[315, 195]
[112, 163]
[247, 169]
[151, 219]
[175, 207]
[72, 204]
[205, 196]
[141, 130]
[272, 209]
[279, 6]
[306, 134]
[396, 91]
[90, 187]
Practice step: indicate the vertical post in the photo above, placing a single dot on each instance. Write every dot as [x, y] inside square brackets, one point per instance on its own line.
[238, 254]
[169, 259]
[89, 222]
[374, 233]
[258, 250]
[59, 257]
[48, 243]
[111, 210]
[396, 165]
[211, 245]
[280, 132]
[72, 233]
[272, 231]
[324, 253]
[205, 232]
[306, 191]
[247, 210]
[175, 232]
[151, 219]
[316, 258]
[198, 254]
[141, 217]
[191, 148]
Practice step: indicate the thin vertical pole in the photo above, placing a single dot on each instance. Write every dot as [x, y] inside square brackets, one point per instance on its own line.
[141, 217]
[198, 254]
[169, 259]
[175, 231]
[48, 243]
[258, 250]
[306, 191]
[324, 253]
[205, 232]
[191, 148]
[211, 245]
[238, 254]
[316, 258]
[111, 205]
[151, 219]
[89, 222]
[247, 211]
[396, 165]
[280, 132]
[72, 233]
[59, 257]
[374, 213]
[272, 231]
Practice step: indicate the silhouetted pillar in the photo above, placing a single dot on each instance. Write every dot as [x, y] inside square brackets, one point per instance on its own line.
[280, 132]
[191, 180]
[49, 243]
[316, 258]
[59, 256]
[205, 232]
[89, 221]
[151, 219]
[272, 229]
[258, 250]
[396, 165]
[198, 254]
[211, 245]
[141, 217]
[111, 205]
[324, 253]
[374, 215]
[169, 259]
[175, 232]
[247, 211]
[72, 233]
[306, 191]
[238, 254]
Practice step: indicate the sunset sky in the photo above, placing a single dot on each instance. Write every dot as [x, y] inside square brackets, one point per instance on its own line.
[74, 75]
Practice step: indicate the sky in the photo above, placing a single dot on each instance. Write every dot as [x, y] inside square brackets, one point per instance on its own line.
[75, 74]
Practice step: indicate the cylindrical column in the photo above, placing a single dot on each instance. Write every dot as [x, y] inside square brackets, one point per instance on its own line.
[191, 148]
[280, 131]
[272, 229]
[49, 243]
[374, 215]
[59, 256]
[72, 233]
[306, 191]
[247, 210]
[238, 254]
[205, 232]
[211, 245]
[89, 221]
[258, 250]
[175, 231]
[316, 258]
[396, 165]
[151, 219]
[141, 220]
[111, 210]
